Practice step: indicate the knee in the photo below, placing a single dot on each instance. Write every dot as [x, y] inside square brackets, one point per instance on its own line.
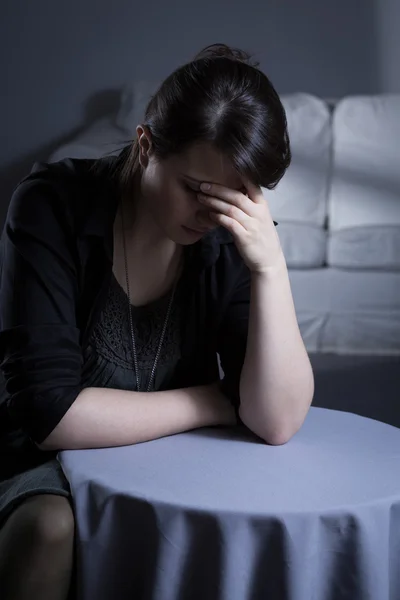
[48, 519]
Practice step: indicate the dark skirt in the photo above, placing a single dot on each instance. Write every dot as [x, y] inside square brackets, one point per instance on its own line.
[46, 478]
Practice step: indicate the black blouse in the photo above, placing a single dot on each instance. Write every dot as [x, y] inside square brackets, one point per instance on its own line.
[108, 358]
[56, 268]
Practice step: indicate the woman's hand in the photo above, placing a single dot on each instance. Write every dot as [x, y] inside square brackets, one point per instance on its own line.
[249, 220]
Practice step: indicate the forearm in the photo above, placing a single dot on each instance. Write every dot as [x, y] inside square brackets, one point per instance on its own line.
[102, 417]
[277, 384]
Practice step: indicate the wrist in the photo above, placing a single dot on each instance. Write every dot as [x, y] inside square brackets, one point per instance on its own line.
[217, 409]
[272, 271]
[204, 403]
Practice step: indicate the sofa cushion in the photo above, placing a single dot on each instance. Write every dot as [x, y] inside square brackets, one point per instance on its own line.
[364, 202]
[304, 246]
[365, 170]
[368, 247]
[348, 312]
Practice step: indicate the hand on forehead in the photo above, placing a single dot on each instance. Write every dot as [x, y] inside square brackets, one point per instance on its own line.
[203, 163]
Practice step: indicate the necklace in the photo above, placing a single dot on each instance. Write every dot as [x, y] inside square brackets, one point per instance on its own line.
[171, 298]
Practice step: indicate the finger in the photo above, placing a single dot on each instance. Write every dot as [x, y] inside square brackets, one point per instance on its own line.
[254, 191]
[235, 228]
[232, 196]
[226, 208]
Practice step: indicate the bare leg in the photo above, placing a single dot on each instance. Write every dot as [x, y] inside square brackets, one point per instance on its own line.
[36, 550]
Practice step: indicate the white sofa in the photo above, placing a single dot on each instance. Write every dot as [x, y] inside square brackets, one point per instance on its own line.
[338, 208]
[344, 186]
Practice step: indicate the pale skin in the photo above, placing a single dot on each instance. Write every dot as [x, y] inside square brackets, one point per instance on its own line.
[277, 384]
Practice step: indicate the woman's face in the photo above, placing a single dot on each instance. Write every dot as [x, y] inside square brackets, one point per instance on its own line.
[169, 188]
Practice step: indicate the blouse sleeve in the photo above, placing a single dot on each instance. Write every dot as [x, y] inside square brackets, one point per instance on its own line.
[40, 351]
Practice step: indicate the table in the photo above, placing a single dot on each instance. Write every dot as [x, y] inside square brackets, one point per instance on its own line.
[217, 514]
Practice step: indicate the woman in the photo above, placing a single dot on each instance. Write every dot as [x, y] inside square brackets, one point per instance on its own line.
[122, 278]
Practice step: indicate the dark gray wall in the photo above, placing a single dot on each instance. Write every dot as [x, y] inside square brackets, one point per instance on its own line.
[388, 44]
[62, 63]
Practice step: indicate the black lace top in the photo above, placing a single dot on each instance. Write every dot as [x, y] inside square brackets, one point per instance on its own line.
[108, 359]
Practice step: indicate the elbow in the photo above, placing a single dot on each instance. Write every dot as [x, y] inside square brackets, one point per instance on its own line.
[277, 435]
[288, 430]
[277, 428]
[273, 437]
[278, 439]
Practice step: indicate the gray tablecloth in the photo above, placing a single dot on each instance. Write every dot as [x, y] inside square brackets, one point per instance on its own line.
[215, 514]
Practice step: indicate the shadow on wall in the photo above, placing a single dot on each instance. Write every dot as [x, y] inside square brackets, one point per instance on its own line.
[100, 104]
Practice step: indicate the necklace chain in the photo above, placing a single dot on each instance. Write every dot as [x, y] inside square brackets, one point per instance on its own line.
[166, 320]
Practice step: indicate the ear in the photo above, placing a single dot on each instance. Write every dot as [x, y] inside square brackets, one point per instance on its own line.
[145, 144]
